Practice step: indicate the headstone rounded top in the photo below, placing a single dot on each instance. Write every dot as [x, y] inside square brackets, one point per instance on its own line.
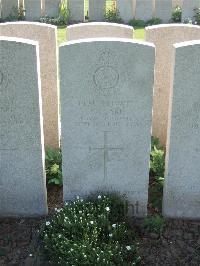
[106, 39]
[28, 23]
[172, 25]
[100, 24]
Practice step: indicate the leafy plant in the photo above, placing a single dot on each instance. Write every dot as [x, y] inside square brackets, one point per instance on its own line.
[81, 233]
[61, 20]
[112, 14]
[154, 224]
[157, 168]
[137, 23]
[53, 160]
[197, 15]
[153, 21]
[176, 14]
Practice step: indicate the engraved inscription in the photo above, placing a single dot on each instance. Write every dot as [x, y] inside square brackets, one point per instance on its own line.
[3, 78]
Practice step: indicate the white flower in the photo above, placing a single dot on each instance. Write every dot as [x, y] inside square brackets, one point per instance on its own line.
[92, 222]
[114, 225]
[110, 235]
[30, 255]
[77, 197]
[58, 210]
[66, 203]
[99, 197]
[107, 209]
[80, 211]
[47, 223]
[128, 247]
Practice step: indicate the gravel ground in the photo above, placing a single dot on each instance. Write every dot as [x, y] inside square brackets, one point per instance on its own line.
[178, 245]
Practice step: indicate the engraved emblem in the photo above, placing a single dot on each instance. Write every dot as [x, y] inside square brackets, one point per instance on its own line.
[106, 76]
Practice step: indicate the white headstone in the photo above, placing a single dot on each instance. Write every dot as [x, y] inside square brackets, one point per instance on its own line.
[32, 9]
[106, 109]
[163, 10]
[46, 35]
[125, 8]
[188, 9]
[52, 8]
[97, 10]
[97, 30]
[22, 171]
[7, 6]
[144, 9]
[182, 186]
[76, 8]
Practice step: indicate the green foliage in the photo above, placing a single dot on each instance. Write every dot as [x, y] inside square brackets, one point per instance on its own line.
[53, 161]
[154, 224]
[197, 15]
[176, 14]
[153, 21]
[137, 23]
[112, 15]
[157, 168]
[15, 14]
[82, 233]
[61, 20]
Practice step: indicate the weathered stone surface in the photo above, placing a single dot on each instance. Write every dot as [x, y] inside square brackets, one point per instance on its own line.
[164, 36]
[22, 173]
[76, 8]
[52, 8]
[182, 186]
[177, 3]
[144, 9]
[33, 9]
[98, 29]
[163, 9]
[125, 8]
[46, 35]
[6, 7]
[188, 9]
[106, 142]
[96, 10]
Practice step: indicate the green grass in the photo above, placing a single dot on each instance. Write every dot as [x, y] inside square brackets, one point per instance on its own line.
[139, 34]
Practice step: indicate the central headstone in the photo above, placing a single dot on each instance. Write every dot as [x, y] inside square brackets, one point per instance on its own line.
[22, 171]
[106, 109]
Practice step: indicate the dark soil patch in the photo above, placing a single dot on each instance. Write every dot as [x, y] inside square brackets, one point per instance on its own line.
[179, 244]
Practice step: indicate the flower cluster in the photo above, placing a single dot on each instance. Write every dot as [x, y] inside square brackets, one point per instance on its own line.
[83, 233]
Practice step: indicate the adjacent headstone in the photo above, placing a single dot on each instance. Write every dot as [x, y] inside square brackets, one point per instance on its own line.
[164, 36]
[144, 9]
[96, 10]
[32, 9]
[76, 8]
[163, 10]
[188, 9]
[7, 7]
[46, 35]
[22, 171]
[98, 29]
[108, 89]
[177, 3]
[182, 186]
[125, 8]
[52, 8]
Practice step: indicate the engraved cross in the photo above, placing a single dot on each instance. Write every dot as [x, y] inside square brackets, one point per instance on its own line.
[106, 148]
